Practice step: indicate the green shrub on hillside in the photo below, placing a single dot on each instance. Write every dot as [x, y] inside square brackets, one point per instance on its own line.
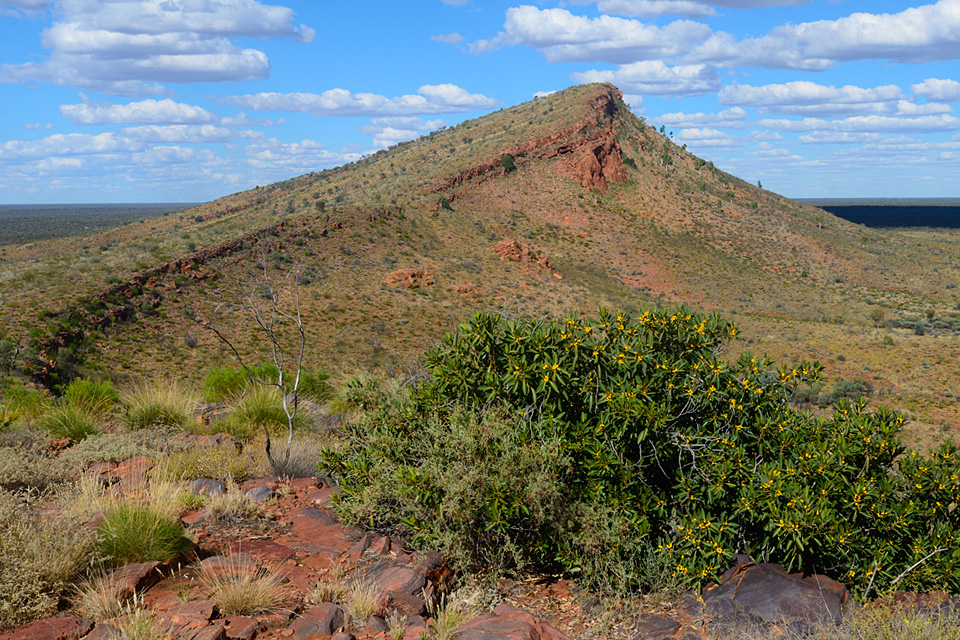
[96, 398]
[646, 440]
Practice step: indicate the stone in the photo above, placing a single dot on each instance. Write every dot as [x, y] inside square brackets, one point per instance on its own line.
[52, 629]
[261, 494]
[213, 632]
[188, 616]
[415, 626]
[324, 619]
[652, 627]
[376, 624]
[409, 604]
[509, 623]
[237, 563]
[206, 487]
[765, 591]
[240, 628]
[262, 549]
[391, 577]
[134, 578]
[103, 631]
[343, 636]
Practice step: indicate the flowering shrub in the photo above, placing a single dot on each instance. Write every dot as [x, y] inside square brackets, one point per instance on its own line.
[677, 449]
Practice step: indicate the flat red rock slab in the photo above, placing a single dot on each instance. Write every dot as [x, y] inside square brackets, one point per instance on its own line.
[134, 578]
[51, 629]
[270, 483]
[262, 549]
[323, 619]
[313, 531]
[240, 627]
[232, 565]
[391, 577]
[509, 623]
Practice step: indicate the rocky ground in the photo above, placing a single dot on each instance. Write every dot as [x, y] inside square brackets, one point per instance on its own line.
[297, 544]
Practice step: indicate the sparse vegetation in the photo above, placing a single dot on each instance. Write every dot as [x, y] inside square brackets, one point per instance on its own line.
[137, 533]
[243, 589]
[158, 405]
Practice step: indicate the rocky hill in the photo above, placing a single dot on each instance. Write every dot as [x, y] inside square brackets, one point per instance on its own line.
[564, 202]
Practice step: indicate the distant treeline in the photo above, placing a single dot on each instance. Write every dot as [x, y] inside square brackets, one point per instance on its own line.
[925, 212]
[26, 223]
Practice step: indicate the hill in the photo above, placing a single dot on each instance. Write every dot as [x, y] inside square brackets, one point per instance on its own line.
[564, 202]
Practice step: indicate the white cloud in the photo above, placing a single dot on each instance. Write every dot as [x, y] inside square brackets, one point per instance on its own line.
[38, 125]
[804, 97]
[455, 3]
[450, 38]
[920, 34]
[124, 47]
[700, 138]
[929, 123]
[66, 145]
[635, 103]
[432, 99]
[734, 118]
[241, 120]
[387, 132]
[187, 133]
[143, 112]
[544, 94]
[937, 89]
[688, 8]
[29, 7]
[653, 77]
[272, 158]
[561, 36]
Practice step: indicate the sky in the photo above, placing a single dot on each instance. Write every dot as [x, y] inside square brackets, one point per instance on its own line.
[190, 100]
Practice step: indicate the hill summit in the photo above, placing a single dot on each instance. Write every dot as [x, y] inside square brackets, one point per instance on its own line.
[566, 202]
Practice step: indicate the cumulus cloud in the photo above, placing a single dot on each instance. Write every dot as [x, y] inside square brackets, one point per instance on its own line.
[920, 34]
[20, 7]
[937, 89]
[126, 47]
[544, 94]
[143, 112]
[450, 38]
[561, 36]
[187, 133]
[431, 99]
[927, 123]
[38, 125]
[804, 97]
[272, 158]
[701, 138]
[387, 132]
[653, 77]
[735, 118]
[688, 8]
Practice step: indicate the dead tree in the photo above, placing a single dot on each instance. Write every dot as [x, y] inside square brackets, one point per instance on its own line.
[263, 304]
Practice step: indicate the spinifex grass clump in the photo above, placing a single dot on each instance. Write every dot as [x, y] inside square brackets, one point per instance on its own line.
[150, 405]
[96, 398]
[633, 438]
[137, 533]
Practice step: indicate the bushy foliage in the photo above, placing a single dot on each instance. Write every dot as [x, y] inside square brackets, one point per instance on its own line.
[224, 384]
[655, 443]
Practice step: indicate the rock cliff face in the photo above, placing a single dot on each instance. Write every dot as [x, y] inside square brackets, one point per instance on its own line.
[595, 159]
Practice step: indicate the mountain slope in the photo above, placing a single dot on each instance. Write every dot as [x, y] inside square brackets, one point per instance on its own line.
[565, 202]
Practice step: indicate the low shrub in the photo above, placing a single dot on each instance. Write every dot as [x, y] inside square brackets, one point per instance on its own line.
[632, 439]
[223, 384]
[164, 404]
[69, 422]
[95, 398]
[136, 533]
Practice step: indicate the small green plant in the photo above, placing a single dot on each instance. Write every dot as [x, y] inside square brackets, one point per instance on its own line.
[96, 398]
[69, 422]
[137, 623]
[137, 533]
[165, 404]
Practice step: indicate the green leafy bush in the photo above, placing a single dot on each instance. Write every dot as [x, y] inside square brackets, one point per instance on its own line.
[96, 398]
[656, 444]
[137, 533]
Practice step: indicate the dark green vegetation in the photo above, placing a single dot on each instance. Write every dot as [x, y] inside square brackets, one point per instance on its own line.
[596, 443]
[27, 223]
[137, 533]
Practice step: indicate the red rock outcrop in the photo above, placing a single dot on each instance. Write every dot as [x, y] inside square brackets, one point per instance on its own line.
[515, 252]
[410, 278]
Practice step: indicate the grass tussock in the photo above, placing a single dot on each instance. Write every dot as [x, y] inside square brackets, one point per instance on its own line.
[224, 463]
[98, 598]
[69, 422]
[165, 404]
[232, 505]
[96, 398]
[332, 586]
[243, 589]
[138, 533]
[363, 599]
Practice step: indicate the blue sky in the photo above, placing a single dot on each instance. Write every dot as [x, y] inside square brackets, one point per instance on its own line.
[189, 100]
